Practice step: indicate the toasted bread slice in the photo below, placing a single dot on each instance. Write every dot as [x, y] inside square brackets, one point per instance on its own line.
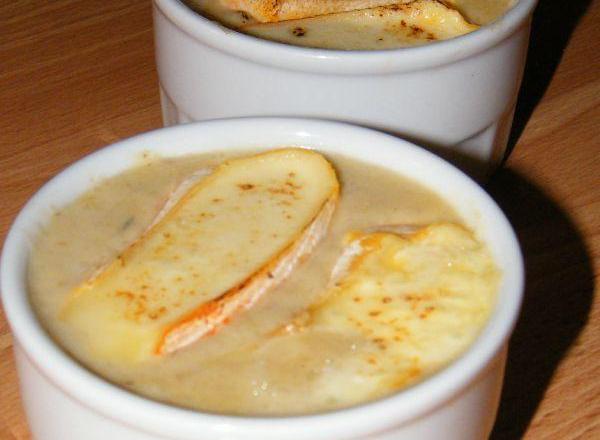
[420, 295]
[224, 242]
[415, 23]
[269, 11]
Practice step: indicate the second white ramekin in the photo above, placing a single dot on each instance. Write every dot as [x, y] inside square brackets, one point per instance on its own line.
[456, 96]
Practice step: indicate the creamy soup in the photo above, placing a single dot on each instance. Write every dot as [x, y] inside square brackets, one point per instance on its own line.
[354, 24]
[270, 359]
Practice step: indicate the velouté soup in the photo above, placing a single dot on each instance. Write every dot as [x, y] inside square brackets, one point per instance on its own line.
[269, 359]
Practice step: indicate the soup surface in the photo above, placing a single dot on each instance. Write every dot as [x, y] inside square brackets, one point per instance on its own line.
[268, 360]
[354, 24]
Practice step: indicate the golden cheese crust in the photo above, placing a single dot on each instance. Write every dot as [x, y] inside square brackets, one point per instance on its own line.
[392, 26]
[224, 242]
[269, 11]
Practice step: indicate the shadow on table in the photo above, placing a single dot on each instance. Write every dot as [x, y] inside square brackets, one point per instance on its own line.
[553, 23]
[559, 287]
[558, 296]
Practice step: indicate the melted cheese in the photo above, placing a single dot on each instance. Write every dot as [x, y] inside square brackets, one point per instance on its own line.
[214, 250]
[279, 10]
[416, 301]
[415, 23]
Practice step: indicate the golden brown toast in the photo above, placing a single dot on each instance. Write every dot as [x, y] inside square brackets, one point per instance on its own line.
[216, 248]
[416, 298]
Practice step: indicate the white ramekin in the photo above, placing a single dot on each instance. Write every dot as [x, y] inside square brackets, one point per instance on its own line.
[64, 401]
[456, 96]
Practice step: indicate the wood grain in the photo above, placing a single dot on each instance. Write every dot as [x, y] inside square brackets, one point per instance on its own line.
[77, 75]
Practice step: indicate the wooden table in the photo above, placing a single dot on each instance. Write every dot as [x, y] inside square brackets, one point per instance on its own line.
[77, 75]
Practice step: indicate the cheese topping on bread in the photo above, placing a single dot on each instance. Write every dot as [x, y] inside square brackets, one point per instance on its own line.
[222, 244]
[417, 300]
[398, 25]
[279, 10]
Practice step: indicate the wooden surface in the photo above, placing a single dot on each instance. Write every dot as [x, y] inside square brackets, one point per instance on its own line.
[77, 75]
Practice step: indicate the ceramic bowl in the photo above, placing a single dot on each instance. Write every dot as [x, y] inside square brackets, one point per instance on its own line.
[456, 97]
[64, 401]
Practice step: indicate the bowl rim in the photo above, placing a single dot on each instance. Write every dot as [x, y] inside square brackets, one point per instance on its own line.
[342, 62]
[163, 419]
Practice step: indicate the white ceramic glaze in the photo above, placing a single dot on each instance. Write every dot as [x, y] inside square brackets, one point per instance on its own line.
[456, 96]
[64, 401]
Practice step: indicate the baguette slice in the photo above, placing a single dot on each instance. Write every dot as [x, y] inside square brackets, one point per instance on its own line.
[269, 11]
[413, 299]
[402, 25]
[417, 298]
[221, 245]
